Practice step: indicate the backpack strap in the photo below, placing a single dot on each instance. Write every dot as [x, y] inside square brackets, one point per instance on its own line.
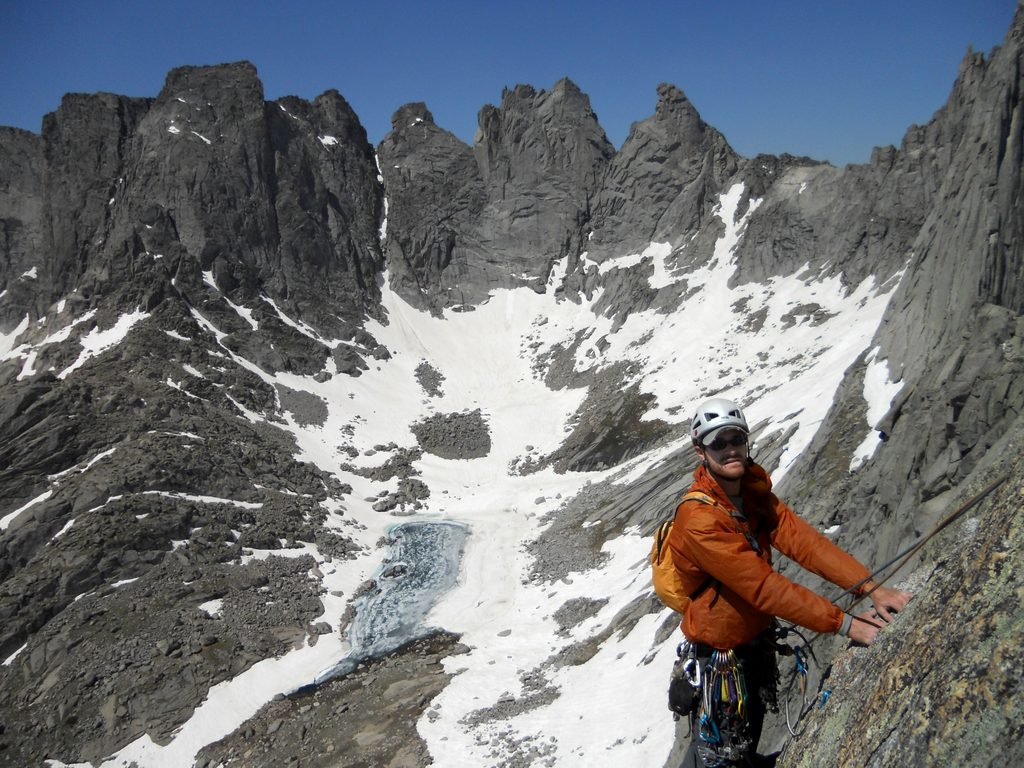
[663, 531]
[703, 498]
[661, 537]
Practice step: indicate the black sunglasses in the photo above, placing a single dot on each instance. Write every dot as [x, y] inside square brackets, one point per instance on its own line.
[720, 443]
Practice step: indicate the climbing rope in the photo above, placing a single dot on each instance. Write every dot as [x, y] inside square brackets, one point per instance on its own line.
[903, 557]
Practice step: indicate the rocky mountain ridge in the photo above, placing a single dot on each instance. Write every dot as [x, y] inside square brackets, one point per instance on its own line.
[191, 286]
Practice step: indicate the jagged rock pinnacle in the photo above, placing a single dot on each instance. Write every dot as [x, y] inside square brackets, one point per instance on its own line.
[674, 105]
[410, 114]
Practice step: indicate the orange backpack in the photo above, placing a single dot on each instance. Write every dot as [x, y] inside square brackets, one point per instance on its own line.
[664, 576]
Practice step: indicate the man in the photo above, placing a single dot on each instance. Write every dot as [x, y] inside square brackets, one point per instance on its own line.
[721, 545]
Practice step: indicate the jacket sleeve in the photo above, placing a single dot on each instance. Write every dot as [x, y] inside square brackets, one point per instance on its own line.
[726, 555]
[800, 542]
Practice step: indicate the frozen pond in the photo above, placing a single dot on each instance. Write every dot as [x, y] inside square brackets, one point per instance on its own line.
[422, 564]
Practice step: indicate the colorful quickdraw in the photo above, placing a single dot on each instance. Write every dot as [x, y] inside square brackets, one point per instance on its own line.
[723, 710]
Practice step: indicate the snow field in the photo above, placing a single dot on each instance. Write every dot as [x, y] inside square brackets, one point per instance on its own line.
[611, 709]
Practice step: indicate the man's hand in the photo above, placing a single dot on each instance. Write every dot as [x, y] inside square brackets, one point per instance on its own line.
[867, 625]
[889, 601]
[865, 628]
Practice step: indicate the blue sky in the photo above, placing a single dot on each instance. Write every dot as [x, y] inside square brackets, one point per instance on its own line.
[829, 79]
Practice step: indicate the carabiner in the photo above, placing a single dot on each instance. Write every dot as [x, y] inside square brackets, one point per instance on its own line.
[691, 668]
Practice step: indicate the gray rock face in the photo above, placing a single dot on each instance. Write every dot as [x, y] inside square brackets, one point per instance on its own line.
[140, 657]
[328, 207]
[463, 221]
[542, 155]
[21, 203]
[609, 427]
[274, 198]
[435, 194]
[279, 200]
[858, 221]
[86, 148]
[367, 717]
[664, 181]
[237, 228]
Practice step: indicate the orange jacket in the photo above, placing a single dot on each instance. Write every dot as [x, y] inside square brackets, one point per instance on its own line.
[708, 541]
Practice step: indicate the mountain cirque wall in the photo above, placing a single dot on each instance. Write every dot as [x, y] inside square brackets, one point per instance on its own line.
[952, 334]
[240, 246]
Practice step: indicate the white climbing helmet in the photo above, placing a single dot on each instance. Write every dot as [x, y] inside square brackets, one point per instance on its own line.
[713, 416]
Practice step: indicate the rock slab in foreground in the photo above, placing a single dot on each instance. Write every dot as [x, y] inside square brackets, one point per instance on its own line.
[942, 686]
[365, 719]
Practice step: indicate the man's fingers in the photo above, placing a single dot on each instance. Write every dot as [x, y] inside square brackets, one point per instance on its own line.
[864, 629]
[889, 601]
